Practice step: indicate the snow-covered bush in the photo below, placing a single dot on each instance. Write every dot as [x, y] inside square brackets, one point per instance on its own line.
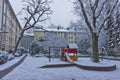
[11, 51]
[19, 52]
[10, 57]
[84, 45]
[22, 50]
[35, 49]
[3, 57]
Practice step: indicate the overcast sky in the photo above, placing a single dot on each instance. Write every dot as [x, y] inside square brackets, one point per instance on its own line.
[62, 11]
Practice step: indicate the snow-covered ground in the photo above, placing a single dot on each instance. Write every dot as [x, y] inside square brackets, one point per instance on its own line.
[29, 70]
[88, 62]
[10, 63]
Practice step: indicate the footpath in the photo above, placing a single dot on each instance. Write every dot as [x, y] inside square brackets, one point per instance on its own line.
[10, 68]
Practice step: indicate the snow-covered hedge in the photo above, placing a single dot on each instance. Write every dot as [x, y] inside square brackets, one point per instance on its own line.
[19, 52]
[5, 56]
[10, 57]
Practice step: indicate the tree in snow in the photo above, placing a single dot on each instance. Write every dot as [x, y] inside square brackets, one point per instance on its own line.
[95, 19]
[83, 43]
[112, 30]
[104, 35]
[35, 49]
[116, 32]
[54, 39]
[34, 12]
[50, 39]
[81, 40]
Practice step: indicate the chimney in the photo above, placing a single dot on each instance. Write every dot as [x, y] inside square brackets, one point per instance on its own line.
[68, 28]
[58, 28]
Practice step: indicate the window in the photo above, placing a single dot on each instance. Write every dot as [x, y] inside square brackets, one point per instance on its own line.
[5, 7]
[71, 37]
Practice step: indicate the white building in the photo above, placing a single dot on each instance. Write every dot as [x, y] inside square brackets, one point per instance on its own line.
[9, 26]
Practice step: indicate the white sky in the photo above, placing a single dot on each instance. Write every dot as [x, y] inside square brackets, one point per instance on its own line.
[62, 11]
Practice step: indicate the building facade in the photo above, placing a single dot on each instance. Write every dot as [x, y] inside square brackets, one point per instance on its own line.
[26, 41]
[10, 27]
[70, 35]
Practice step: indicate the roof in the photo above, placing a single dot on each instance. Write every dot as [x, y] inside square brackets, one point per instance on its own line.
[28, 34]
[56, 30]
[72, 45]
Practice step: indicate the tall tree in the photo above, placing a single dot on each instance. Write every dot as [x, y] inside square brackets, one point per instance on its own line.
[112, 30]
[95, 18]
[34, 12]
[115, 31]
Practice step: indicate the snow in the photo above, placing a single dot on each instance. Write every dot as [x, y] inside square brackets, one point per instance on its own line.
[57, 30]
[29, 70]
[86, 61]
[9, 63]
[28, 34]
[73, 46]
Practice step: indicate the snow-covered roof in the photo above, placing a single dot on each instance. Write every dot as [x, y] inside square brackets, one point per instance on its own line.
[57, 30]
[73, 46]
[28, 34]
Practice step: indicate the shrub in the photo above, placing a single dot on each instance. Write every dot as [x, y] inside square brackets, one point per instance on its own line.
[3, 57]
[10, 57]
[35, 49]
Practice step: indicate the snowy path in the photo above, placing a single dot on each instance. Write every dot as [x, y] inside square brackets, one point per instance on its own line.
[29, 70]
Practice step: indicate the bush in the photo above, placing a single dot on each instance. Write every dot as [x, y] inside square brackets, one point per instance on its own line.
[35, 49]
[10, 57]
[3, 57]
[10, 51]
[84, 45]
[19, 52]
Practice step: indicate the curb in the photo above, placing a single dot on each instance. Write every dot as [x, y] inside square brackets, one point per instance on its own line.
[85, 67]
[9, 69]
[94, 68]
[57, 65]
[97, 68]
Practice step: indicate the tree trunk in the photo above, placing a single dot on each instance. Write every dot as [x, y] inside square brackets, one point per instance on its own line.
[95, 55]
[16, 46]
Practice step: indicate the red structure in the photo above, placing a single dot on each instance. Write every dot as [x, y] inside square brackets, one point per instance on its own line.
[71, 52]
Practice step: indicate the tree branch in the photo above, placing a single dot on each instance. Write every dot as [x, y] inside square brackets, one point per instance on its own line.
[99, 13]
[95, 5]
[85, 16]
[109, 14]
[91, 4]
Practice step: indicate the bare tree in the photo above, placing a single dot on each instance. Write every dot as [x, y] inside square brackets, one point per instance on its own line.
[35, 12]
[95, 17]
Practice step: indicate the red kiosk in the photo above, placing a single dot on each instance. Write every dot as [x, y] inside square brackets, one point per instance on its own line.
[70, 51]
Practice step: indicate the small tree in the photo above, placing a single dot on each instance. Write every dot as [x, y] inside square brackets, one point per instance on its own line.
[35, 49]
[35, 11]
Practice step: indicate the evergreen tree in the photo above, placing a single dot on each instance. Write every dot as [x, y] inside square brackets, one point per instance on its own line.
[113, 32]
